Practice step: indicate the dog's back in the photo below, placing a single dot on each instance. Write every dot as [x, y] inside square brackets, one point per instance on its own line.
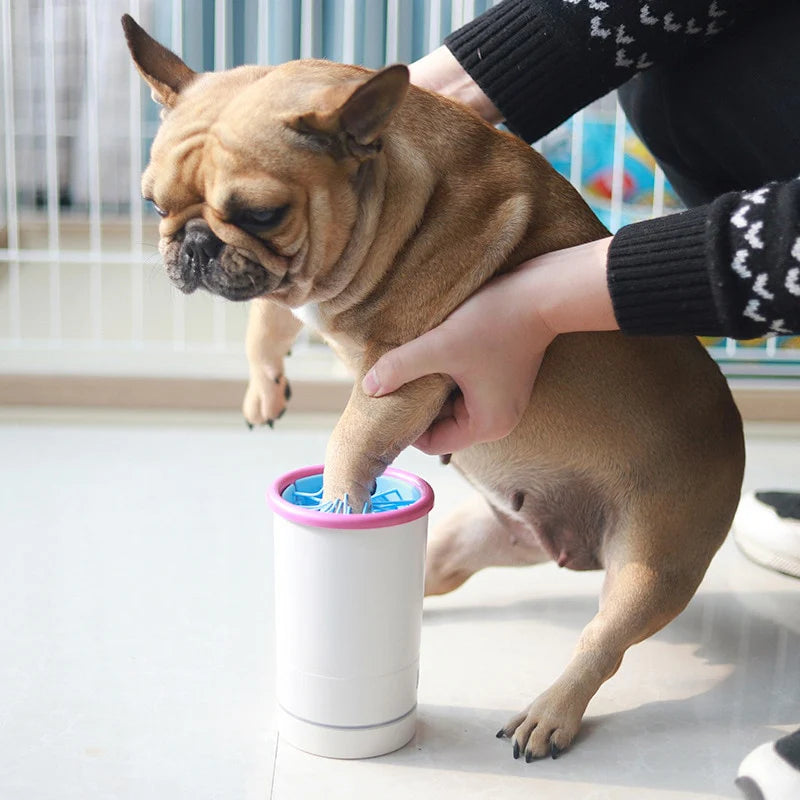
[619, 427]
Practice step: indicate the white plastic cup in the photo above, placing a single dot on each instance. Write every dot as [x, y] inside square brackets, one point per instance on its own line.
[348, 618]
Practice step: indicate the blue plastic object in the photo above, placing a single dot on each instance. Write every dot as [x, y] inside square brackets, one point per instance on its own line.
[390, 494]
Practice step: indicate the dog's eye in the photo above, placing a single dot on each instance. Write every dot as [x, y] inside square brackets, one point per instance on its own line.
[260, 218]
[160, 211]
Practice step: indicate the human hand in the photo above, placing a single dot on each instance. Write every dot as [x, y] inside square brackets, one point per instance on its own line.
[493, 344]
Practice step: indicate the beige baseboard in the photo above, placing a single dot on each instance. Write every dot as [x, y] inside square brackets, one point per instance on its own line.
[770, 402]
[197, 394]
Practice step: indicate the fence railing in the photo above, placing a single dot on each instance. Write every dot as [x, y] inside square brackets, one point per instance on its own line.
[81, 287]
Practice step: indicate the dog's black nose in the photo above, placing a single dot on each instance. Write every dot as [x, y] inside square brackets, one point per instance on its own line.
[200, 245]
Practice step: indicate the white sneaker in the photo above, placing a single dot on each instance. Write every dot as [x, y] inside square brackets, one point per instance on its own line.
[767, 530]
[772, 770]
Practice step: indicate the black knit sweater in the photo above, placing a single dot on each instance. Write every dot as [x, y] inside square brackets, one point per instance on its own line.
[729, 268]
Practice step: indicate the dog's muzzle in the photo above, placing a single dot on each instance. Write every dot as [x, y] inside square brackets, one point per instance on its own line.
[199, 248]
[205, 260]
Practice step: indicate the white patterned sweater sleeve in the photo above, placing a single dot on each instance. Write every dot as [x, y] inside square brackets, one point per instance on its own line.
[539, 61]
[730, 268]
[635, 35]
[756, 260]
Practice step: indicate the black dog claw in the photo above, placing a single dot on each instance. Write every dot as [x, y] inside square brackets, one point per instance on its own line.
[287, 392]
[501, 734]
[516, 749]
[555, 750]
[528, 756]
[270, 422]
[249, 424]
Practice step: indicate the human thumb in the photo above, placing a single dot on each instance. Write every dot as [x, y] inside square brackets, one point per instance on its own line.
[400, 366]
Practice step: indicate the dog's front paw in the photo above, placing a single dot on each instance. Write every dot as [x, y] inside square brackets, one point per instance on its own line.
[266, 399]
[354, 501]
[341, 496]
[546, 727]
[345, 505]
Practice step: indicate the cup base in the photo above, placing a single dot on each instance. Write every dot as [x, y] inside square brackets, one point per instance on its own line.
[335, 742]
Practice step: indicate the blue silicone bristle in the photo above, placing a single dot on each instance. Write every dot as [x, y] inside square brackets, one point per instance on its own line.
[389, 501]
[390, 494]
[309, 499]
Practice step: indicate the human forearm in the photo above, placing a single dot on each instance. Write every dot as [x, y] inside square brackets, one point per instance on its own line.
[569, 288]
[539, 61]
[493, 344]
[441, 72]
[658, 276]
[731, 268]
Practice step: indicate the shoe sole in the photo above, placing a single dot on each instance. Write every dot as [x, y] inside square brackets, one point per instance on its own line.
[749, 788]
[766, 538]
[767, 557]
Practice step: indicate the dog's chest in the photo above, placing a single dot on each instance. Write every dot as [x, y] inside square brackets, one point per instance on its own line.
[344, 346]
[309, 315]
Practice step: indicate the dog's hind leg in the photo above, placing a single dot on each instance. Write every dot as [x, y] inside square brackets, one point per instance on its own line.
[472, 537]
[644, 589]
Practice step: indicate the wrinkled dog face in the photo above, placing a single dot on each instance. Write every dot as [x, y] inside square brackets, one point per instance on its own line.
[253, 170]
[240, 193]
[232, 223]
[226, 249]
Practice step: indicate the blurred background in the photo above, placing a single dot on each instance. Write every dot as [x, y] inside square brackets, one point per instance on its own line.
[87, 315]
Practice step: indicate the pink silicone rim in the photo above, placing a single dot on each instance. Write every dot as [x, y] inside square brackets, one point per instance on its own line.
[326, 519]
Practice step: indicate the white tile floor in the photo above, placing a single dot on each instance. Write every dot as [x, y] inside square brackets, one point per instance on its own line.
[136, 639]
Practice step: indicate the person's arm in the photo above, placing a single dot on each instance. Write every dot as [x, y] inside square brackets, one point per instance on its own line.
[731, 268]
[493, 344]
[441, 72]
[535, 62]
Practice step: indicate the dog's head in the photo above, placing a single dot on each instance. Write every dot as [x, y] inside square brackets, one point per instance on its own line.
[254, 171]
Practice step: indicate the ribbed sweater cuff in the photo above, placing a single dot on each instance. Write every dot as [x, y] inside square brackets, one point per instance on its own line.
[511, 52]
[658, 277]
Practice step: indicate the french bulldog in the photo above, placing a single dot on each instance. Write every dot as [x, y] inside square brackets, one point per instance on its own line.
[370, 209]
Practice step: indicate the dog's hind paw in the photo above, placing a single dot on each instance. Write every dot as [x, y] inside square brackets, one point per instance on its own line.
[546, 728]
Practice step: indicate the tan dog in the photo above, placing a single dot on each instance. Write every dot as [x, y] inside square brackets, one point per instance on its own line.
[372, 209]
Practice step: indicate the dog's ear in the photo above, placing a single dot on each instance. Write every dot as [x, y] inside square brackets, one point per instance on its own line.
[161, 68]
[369, 108]
[354, 114]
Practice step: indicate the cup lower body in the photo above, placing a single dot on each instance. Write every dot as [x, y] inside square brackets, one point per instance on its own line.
[333, 741]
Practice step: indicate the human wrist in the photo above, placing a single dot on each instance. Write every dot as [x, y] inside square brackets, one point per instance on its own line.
[440, 72]
[570, 289]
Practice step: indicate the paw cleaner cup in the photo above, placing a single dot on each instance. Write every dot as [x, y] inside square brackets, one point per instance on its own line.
[348, 614]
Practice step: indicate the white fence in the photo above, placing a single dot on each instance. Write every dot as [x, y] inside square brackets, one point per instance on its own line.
[81, 288]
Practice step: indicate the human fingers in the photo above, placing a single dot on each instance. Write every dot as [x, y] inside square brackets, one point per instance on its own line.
[489, 409]
[448, 433]
[405, 363]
